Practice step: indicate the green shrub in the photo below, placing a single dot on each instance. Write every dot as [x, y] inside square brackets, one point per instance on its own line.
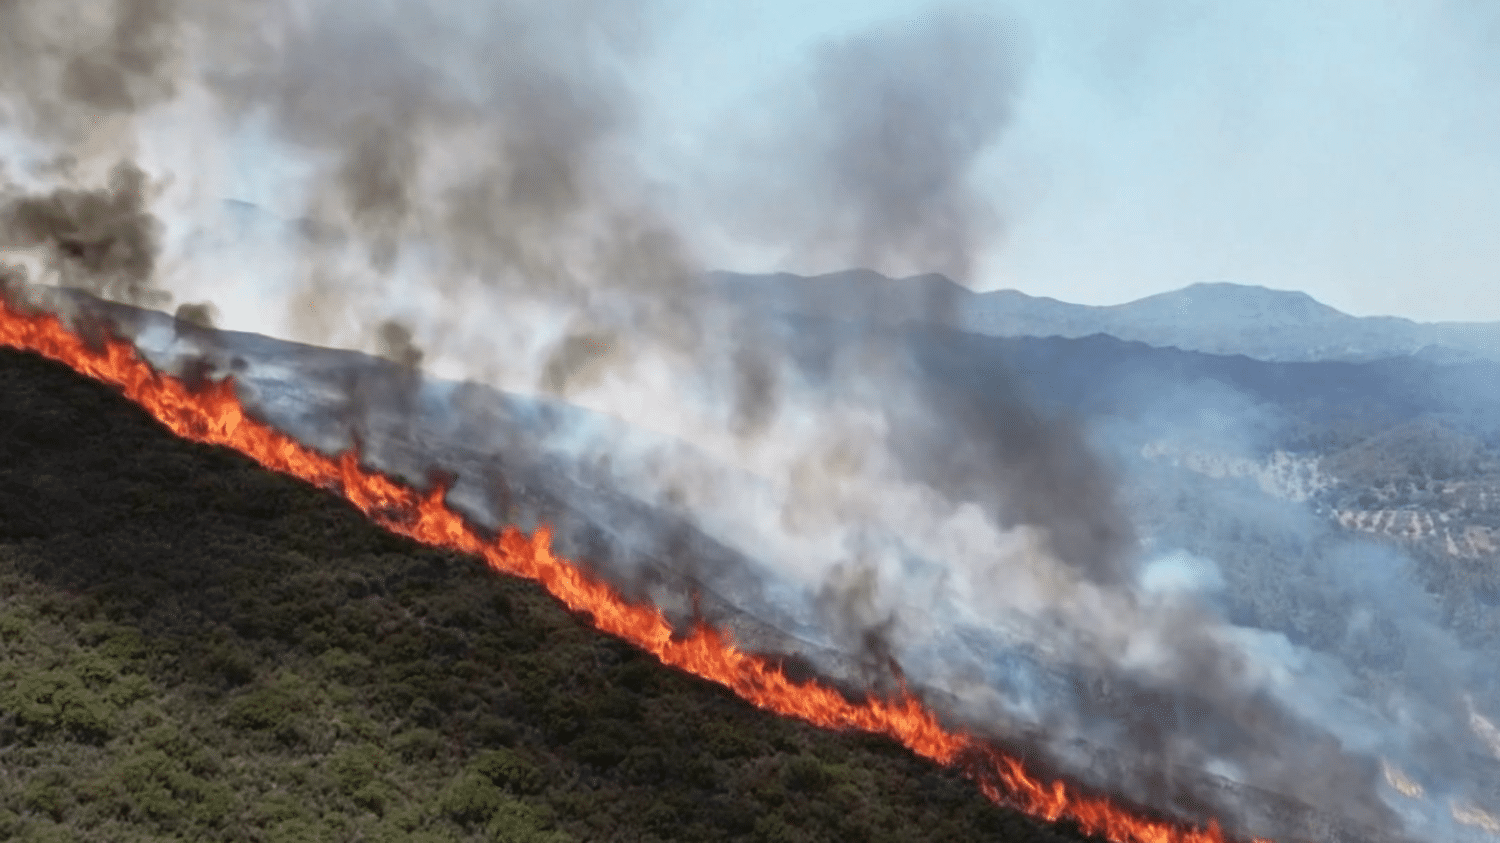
[46, 793]
[490, 730]
[14, 625]
[128, 689]
[806, 774]
[46, 832]
[160, 786]
[55, 699]
[300, 830]
[269, 706]
[279, 807]
[149, 776]
[376, 796]
[349, 668]
[123, 643]
[356, 766]
[417, 745]
[517, 822]
[600, 750]
[472, 798]
[506, 769]
[234, 666]
[95, 669]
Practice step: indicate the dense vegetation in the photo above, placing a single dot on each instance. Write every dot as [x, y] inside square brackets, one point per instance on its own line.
[193, 648]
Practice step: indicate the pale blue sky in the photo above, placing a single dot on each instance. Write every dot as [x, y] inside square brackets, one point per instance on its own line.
[1349, 149]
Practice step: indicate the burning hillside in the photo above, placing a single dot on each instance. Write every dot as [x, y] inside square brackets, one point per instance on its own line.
[214, 414]
[195, 647]
[890, 509]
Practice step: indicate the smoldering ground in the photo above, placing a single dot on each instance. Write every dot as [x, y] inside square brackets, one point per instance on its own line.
[470, 205]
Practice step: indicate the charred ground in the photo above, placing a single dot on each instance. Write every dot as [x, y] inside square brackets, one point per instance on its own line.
[194, 648]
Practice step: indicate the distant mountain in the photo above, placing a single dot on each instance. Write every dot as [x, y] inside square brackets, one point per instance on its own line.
[1213, 318]
[1217, 318]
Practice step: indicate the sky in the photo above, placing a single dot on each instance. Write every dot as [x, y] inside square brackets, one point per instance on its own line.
[1349, 149]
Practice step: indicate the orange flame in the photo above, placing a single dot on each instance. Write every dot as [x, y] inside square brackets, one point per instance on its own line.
[214, 414]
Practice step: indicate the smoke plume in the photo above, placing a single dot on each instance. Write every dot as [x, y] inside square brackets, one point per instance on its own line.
[102, 240]
[876, 146]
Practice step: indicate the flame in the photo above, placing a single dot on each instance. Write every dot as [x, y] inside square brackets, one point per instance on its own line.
[214, 414]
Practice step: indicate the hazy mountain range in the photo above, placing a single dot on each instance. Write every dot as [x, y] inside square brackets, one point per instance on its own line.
[1216, 318]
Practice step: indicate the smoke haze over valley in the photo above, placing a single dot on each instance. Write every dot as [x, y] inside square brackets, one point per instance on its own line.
[1221, 553]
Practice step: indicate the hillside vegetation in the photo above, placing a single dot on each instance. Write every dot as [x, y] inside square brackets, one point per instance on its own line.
[194, 649]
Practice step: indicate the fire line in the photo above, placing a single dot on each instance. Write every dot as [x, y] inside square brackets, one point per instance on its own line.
[213, 414]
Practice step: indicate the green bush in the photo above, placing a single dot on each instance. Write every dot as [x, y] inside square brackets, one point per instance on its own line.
[46, 832]
[349, 668]
[161, 786]
[279, 807]
[95, 669]
[517, 822]
[806, 774]
[504, 768]
[376, 796]
[123, 643]
[472, 798]
[14, 625]
[128, 689]
[50, 700]
[356, 766]
[232, 664]
[271, 705]
[46, 793]
[417, 745]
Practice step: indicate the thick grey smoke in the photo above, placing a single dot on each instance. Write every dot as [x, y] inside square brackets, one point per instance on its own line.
[103, 240]
[69, 69]
[905, 112]
[477, 148]
[467, 204]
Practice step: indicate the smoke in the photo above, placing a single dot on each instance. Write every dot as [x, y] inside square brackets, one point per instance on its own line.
[102, 240]
[1341, 635]
[70, 71]
[196, 315]
[459, 198]
[876, 145]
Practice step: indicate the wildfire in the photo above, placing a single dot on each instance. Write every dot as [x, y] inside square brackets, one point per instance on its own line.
[214, 414]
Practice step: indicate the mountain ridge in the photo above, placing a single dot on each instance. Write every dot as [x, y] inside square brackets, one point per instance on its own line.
[1211, 317]
[1216, 317]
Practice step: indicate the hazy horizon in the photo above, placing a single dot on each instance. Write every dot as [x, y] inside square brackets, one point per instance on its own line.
[1350, 150]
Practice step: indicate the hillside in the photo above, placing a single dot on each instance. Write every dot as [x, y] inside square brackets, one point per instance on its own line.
[196, 649]
[1396, 450]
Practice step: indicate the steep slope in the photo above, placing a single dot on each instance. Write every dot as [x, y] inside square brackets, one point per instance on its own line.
[196, 648]
[958, 353]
